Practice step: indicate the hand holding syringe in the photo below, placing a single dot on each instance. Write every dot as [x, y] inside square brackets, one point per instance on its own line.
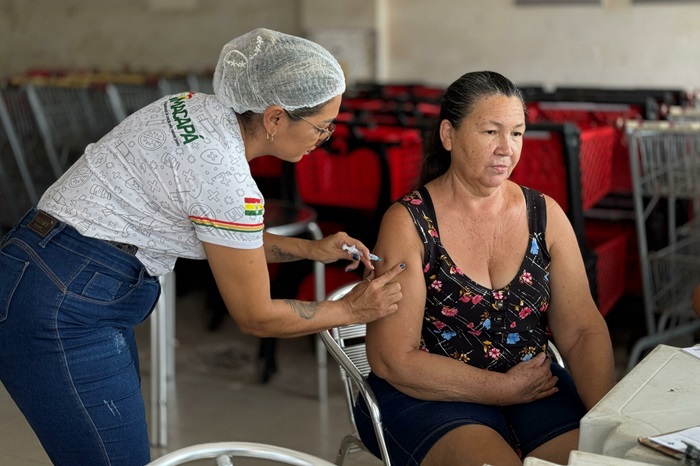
[353, 250]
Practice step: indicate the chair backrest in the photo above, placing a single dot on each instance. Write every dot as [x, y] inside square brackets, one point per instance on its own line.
[351, 340]
[224, 451]
[347, 346]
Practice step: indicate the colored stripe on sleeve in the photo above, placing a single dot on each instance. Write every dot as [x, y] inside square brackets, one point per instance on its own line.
[228, 226]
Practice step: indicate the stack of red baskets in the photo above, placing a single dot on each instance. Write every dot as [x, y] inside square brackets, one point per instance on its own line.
[348, 173]
[542, 166]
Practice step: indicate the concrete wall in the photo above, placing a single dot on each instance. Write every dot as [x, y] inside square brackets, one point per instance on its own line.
[616, 43]
[141, 35]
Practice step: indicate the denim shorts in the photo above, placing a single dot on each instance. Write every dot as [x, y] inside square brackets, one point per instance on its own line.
[68, 306]
[412, 426]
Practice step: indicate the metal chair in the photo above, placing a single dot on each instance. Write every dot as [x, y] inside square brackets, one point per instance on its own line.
[347, 346]
[224, 451]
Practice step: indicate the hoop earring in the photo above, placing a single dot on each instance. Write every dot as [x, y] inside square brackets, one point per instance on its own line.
[270, 137]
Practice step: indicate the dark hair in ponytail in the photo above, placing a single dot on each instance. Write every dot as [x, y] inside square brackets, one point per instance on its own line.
[457, 103]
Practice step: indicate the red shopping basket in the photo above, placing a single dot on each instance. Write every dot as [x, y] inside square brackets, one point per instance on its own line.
[589, 115]
[404, 152]
[349, 174]
[542, 164]
[595, 157]
[610, 247]
[349, 179]
[266, 166]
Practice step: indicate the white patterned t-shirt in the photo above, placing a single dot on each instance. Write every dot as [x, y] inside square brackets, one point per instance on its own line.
[166, 179]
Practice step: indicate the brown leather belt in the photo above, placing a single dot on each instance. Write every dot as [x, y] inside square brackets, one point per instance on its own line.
[43, 223]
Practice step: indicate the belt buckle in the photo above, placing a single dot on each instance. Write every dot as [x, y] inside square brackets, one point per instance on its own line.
[42, 223]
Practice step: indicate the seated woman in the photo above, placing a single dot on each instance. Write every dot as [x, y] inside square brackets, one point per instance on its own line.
[460, 370]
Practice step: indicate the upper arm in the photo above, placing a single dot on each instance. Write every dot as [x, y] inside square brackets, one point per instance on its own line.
[391, 337]
[243, 281]
[572, 311]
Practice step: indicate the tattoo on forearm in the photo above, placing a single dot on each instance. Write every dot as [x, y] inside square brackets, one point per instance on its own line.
[305, 310]
[282, 256]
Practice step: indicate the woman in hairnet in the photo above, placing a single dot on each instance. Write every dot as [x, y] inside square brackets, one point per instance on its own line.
[172, 180]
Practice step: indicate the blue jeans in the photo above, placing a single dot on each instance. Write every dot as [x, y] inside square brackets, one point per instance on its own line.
[68, 358]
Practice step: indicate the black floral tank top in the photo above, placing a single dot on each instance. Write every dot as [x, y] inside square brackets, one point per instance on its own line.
[483, 327]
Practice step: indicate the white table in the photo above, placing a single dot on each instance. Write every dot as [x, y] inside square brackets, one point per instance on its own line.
[281, 218]
[661, 394]
[581, 458]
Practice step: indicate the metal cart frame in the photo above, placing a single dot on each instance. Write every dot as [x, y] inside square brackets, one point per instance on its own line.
[665, 165]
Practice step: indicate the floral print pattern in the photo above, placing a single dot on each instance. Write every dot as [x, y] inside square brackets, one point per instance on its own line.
[486, 328]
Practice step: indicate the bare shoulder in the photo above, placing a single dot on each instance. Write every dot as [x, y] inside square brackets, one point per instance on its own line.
[397, 230]
[396, 214]
[558, 225]
[398, 221]
[554, 210]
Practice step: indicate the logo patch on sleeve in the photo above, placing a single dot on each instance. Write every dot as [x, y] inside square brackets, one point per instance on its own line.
[253, 206]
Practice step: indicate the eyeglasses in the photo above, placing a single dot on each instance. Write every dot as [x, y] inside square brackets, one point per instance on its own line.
[324, 133]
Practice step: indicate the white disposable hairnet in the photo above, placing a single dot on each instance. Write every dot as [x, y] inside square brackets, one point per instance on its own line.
[265, 67]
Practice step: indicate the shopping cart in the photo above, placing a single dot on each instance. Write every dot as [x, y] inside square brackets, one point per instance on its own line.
[677, 113]
[173, 85]
[27, 168]
[200, 83]
[14, 175]
[126, 98]
[591, 115]
[68, 118]
[665, 164]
